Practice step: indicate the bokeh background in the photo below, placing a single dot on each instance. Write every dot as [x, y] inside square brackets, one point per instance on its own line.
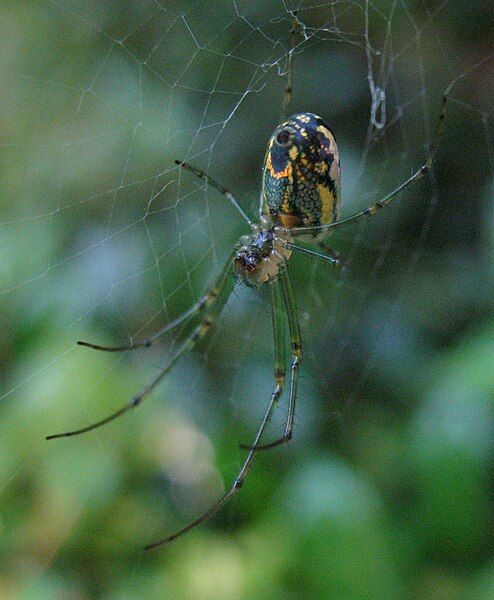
[386, 490]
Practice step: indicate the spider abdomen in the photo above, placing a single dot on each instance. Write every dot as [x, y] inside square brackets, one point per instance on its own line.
[301, 175]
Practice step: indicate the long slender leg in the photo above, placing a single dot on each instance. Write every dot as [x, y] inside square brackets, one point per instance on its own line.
[278, 329]
[287, 97]
[332, 258]
[296, 344]
[222, 189]
[203, 303]
[374, 208]
[334, 254]
[278, 321]
[190, 341]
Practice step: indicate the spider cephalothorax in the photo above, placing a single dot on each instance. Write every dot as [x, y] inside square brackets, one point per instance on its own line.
[259, 256]
[301, 176]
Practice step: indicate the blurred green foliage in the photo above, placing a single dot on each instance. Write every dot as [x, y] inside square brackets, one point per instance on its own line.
[386, 490]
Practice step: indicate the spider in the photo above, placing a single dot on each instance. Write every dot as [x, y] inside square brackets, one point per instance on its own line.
[300, 198]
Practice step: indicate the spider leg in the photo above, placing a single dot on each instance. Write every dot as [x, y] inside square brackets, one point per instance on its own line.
[223, 190]
[277, 318]
[236, 485]
[341, 261]
[207, 301]
[374, 208]
[190, 341]
[296, 344]
[287, 97]
[242, 474]
[330, 255]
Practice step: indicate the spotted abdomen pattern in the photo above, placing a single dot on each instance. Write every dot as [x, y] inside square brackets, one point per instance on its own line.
[301, 175]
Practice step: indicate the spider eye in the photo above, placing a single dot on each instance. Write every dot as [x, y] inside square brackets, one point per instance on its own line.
[283, 137]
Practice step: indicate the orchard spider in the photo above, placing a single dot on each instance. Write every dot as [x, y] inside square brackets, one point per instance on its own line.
[300, 198]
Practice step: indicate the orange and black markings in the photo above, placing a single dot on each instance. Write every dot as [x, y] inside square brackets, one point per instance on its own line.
[301, 177]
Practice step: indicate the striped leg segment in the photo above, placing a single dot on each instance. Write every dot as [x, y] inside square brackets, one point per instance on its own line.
[374, 208]
[222, 189]
[279, 340]
[287, 96]
[201, 305]
[330, 255]
[296, 344]
[278, 321]
[216, 303]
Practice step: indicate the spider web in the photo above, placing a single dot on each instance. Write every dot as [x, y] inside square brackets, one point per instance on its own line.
[104, 239]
